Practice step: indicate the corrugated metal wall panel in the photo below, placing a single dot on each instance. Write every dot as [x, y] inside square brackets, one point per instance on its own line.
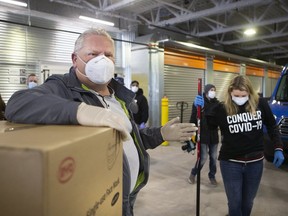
[53, 46]
[13, 78]
[221, 81]
[270, 86]
[26, 48]
[181, 84]
[257, 83]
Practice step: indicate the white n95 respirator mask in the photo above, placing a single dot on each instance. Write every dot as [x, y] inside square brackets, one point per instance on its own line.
[99, 70]
[134, 89]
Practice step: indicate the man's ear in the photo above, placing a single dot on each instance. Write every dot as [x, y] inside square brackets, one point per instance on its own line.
[74, 58]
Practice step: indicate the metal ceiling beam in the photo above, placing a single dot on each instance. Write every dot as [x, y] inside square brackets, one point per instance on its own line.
[174, 6]
[221, 8]
[120, 5]
[281, 57]
[274, 52]
[265, 46]
[244, 40]
[95, 10]
[65, 24]
[234, 28]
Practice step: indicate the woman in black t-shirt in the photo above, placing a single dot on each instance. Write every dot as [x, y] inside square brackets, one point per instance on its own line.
[241, 118]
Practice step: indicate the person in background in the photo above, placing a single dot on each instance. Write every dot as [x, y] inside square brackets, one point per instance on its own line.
[32, 80]
[141, 117]
[2, 108]
[88, 95]
[209, 138]
[241, 118]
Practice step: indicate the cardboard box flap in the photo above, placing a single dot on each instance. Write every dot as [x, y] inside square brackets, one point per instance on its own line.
[45, 137]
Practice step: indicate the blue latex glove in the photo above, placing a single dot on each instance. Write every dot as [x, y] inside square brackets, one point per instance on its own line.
[199, 101]
[142, 125]
[278, 158]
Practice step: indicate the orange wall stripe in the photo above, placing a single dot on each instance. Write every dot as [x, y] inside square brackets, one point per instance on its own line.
[181, 60]
[226, 66]
[254, 71]
[274, 74]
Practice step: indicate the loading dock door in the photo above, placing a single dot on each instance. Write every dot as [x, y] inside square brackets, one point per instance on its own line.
[181, 84]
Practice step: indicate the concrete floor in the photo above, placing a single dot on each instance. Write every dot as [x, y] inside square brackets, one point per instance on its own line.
[169, 194]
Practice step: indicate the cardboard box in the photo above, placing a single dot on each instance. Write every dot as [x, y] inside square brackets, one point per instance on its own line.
[60, 170]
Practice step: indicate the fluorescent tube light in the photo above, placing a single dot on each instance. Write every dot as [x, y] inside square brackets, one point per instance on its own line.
[96, 20]
[22, 4]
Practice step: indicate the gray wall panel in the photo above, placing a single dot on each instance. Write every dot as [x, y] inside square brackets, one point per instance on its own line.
[271, 83]
[181, 84]
[257, 83]
[25, 48]
[221, 82]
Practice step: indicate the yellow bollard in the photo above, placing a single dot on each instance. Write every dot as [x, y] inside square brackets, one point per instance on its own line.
[164, 114]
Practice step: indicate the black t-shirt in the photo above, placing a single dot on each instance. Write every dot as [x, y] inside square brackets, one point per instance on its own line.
[242, 133]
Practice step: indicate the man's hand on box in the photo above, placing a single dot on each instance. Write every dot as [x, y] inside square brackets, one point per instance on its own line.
[89, 115]
[176, 131]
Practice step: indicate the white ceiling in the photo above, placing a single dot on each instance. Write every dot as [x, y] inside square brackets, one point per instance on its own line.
[218, 24]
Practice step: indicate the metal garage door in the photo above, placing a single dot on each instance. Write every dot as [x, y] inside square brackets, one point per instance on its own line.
[221, 82]
[181, 84]
[257, 83]
[270, 86]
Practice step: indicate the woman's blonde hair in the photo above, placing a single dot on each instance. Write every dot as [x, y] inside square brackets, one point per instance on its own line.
[241, 83]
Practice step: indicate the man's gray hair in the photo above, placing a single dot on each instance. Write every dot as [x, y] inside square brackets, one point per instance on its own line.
[92, 31]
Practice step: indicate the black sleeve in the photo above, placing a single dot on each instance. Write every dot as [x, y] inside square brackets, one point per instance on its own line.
[193, 118]
[49, 103]
[151, 137]
[2, 104]
[144, 109]
[2, 109]
[210, 115]
[270, 123]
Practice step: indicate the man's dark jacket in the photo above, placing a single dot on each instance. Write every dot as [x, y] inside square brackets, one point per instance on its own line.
[56, 102]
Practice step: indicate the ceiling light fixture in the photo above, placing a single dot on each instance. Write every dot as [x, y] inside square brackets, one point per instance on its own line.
[250, 32]
[96, 20]
[22, 4]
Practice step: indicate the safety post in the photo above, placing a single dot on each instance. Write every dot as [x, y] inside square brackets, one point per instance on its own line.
[164, 114]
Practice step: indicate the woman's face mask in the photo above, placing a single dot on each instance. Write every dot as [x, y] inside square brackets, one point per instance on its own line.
[239, 97]
[240, 100]
[99, 70]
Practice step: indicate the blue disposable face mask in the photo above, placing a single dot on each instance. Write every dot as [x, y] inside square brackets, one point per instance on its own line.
[32, 85]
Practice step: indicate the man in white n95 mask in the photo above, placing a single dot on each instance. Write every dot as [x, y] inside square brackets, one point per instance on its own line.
[88, 95]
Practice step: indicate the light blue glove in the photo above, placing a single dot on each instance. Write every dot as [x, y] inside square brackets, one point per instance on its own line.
[142, 125]
[199, 101]
[278, 158]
